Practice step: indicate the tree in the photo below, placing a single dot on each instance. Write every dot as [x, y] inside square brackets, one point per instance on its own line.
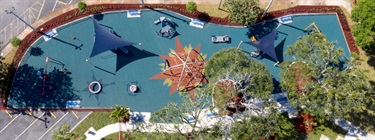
[82, 6]
[273, 124]
[249, 76]
[120, 114]
[320, 80]
[191, 6]
[232, 72]
[15, 41]
[63, 133]
[186, 119]
[364, 31]
[5, 77]
[243, 11]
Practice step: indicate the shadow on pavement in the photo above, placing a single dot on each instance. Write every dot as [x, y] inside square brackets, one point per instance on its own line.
[32, 90]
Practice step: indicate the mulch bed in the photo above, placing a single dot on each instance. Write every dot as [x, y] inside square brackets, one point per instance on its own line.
[178, 8]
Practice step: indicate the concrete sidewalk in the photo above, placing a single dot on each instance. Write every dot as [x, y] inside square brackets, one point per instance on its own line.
[354, 132]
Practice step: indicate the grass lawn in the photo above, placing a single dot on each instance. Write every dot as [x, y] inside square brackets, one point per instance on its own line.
[96, 120]
[9, 57]
[331, 132]
[365, 119]
[276, 7]
[212, 10]
[113, 136]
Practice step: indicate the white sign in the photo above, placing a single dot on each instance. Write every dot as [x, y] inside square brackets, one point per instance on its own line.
[52, 33]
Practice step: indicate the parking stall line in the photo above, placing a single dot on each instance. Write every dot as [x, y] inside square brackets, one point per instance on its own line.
[41, 8]
[29, 126]
[53, 9]
[80, 122]
[63, 3]
[10, 122]
[53, 125]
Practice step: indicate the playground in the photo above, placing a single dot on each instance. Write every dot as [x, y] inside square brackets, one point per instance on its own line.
[62, 72]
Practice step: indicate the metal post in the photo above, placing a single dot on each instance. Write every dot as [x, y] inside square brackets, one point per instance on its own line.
[140, 46]
[239, 44]
[11, 12]
[143, 3]
[87, 60]
[265, 11]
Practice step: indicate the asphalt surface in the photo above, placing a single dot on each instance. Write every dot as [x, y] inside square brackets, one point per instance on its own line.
[27, 10]
[38, 126]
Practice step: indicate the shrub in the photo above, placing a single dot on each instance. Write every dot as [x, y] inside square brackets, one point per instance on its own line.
[191, 6]
[82, 6]
[15, 42]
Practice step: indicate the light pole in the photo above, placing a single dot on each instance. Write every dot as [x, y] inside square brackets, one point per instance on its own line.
[265, 11]
[143, 3]
[11, 12]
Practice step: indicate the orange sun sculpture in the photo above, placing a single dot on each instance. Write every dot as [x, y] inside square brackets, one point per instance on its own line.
[183, 69]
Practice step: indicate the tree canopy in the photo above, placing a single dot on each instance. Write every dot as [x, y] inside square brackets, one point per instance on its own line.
[191, 6]
[5, 75]
[233, 64]
[321, 80]
[364, 31]
[258, 127]
[62, 133]
[187, 115]
[120, 113]
[243, 11]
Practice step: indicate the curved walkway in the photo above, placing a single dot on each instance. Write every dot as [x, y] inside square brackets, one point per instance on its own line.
[207, 120]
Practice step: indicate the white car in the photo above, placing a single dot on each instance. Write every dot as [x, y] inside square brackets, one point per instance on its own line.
[220, 39]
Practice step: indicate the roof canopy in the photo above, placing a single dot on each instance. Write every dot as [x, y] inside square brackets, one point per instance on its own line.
[266, 44]
[105, 40]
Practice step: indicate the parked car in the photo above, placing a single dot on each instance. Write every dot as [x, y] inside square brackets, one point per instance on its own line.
[220, 39]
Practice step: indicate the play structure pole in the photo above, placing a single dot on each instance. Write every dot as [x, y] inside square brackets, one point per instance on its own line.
[87, 60]
[239, 44]
[140, 46]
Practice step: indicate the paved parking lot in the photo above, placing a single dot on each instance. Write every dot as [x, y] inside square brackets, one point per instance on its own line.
[37, 126]
[29, 11]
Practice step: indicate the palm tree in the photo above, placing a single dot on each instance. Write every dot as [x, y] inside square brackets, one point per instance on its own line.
[63, 133]
[120, 114]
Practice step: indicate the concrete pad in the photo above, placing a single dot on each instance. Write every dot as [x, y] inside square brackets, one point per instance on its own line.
[324, 137]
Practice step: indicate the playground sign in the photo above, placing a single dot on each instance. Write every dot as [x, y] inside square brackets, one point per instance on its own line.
[52, 33]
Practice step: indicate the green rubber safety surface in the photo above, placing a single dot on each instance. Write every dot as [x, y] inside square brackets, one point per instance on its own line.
[69, 74]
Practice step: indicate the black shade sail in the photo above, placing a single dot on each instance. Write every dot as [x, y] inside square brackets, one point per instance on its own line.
[266, 44]
[105, 40]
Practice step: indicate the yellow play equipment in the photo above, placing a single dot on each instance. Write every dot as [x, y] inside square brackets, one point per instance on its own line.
[253, 38]
[316, 29]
